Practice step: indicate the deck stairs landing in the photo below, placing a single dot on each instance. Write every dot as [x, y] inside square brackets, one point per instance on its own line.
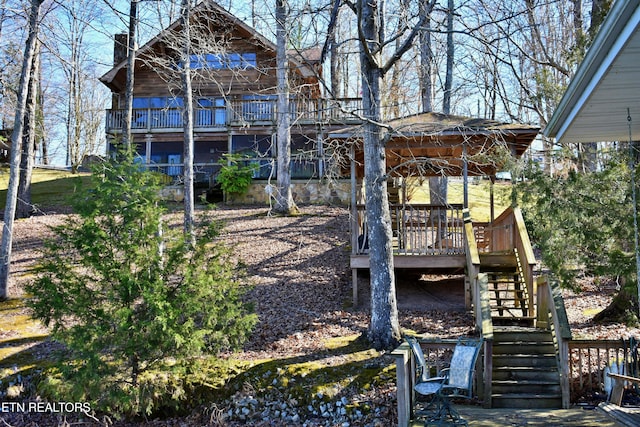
[525, 364]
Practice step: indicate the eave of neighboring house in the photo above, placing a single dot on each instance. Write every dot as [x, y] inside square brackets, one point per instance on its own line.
[303, 63]
[605, 89]
[432, 144]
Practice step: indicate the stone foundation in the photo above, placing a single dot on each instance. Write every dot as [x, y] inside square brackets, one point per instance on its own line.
[336, 192]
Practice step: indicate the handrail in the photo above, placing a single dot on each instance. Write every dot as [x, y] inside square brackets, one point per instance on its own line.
[551, 309]
[509, 232]
[486, 329]
[473, 264]
[479, 285]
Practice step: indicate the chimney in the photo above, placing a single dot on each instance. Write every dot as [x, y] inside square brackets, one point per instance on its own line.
[120, 46]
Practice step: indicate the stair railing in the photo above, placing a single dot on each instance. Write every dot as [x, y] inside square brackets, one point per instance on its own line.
[551, 314]
[479, 286]
[509, 232]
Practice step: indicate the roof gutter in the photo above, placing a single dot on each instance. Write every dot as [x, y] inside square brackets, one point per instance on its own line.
[619, 25]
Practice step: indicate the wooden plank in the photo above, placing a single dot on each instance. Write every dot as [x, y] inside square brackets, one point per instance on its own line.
[618, 386]
[415, 261]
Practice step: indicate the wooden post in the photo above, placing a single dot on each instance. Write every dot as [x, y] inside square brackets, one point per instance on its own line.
[404, 383]
[354, 223]
[565, 385]
[492, 180]
[465, 177]
[487, 374]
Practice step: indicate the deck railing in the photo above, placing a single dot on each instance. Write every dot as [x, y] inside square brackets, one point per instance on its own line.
[589, 360]
[551, 314]
[418, 229]
[239, 112]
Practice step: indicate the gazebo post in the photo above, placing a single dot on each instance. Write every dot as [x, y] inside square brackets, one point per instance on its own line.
[465, 177]
[492, 180]
[354, 224]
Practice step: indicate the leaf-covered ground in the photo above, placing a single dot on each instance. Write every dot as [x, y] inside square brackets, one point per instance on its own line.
[300, 284]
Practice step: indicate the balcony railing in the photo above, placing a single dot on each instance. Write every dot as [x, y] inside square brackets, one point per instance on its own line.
[240, 112]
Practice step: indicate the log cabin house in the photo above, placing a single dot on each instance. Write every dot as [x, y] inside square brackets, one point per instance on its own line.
[234, 103]
[234, 84]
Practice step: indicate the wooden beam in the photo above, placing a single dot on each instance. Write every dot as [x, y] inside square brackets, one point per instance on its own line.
[416, 261]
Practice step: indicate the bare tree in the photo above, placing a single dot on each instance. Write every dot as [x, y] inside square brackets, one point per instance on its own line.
[284, 197]
[187, 124]
[448, 82]
[384, 329]
[32, 125]
[16, 147]
[70, 48]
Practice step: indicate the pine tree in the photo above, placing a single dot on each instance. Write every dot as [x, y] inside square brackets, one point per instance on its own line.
[124, 296]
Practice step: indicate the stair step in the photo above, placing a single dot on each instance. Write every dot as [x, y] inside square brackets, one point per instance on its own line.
[524, 373]
[506, 307]
[519, 360]
[522, 321]
[530, 348]
[507, 280]
[531, 386]
[511, 293]
[515, 334]
[526, 400]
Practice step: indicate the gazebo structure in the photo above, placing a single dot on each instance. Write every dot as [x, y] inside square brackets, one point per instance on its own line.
[430, 237]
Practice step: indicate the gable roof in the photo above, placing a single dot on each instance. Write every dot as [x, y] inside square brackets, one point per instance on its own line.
[606, 84]
[206, 7]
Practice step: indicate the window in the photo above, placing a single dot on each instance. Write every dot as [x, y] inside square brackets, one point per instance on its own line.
[219, 61]
[257, 150]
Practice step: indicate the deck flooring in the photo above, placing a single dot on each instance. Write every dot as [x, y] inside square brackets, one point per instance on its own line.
[477, 416]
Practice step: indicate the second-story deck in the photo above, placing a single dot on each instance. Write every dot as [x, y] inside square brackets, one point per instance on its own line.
[239, 112]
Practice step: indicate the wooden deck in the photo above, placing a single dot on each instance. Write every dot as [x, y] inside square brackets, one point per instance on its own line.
[508, 417]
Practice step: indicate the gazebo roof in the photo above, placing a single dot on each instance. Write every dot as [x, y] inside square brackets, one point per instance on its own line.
[434, 144]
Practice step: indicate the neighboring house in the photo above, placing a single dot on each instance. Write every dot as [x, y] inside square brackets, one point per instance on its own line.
[234, 101]
[605, 90]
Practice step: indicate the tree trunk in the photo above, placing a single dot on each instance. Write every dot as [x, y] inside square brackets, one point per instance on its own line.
[448, 83]
[187, 121]
[131, 63]
[284, 197]
[24, 208]
[622, 309]
[438, 184]
[426, 58]
[384, 329]
[16, 149]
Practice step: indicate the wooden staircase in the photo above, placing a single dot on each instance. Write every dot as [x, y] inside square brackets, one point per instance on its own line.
[507, 290]
[525, 371]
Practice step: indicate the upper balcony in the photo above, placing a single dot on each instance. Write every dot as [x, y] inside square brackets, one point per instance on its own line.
[220, 114]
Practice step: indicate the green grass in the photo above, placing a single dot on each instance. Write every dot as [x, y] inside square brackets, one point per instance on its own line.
[479, 197]
[48, 187]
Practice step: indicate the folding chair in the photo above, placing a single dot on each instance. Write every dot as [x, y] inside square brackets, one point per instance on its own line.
[454, 381]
